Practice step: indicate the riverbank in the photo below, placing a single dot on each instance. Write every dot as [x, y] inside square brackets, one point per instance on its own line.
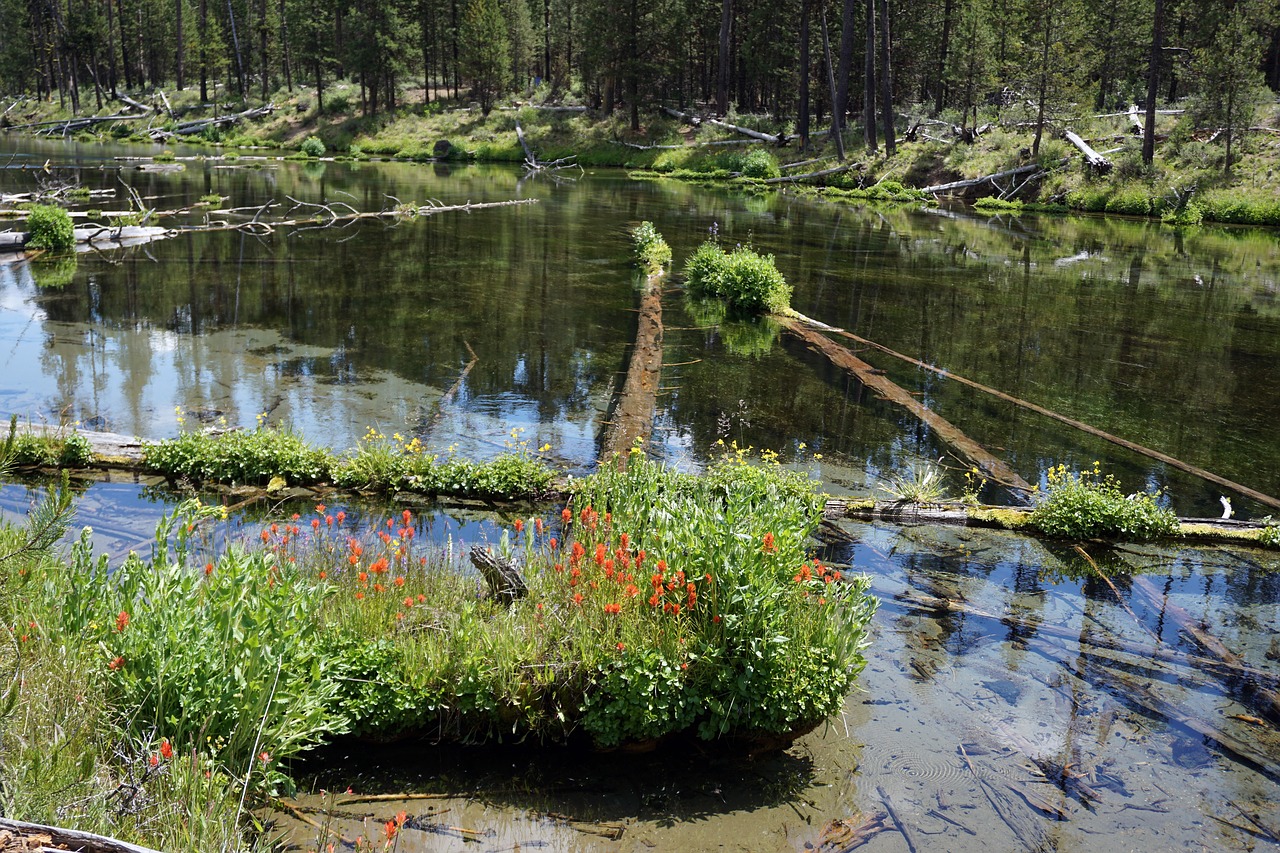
[1187, 183]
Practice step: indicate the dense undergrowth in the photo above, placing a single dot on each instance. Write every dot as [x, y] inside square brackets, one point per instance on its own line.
[156, 693]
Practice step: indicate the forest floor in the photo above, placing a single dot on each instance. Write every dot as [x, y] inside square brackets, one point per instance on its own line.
[1187, 182]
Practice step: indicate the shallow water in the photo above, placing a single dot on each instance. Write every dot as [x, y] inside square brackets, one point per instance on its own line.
[1168, 338]
[956, 722]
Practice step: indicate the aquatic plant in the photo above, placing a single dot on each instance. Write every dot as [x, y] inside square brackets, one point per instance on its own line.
[49, 227]
[920, 484]
[1089, 504]
[245, 457]
[743, 277]
[651, 250]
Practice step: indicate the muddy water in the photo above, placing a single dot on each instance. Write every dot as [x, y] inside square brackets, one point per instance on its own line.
[982, 734]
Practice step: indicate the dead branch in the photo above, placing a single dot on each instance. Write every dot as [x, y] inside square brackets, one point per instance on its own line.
[789, 179]
[778, 139]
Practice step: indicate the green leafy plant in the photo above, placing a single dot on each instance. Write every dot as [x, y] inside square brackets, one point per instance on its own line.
[312, 146]
[743, 278]
[250, 457]
[920, 484]
[1089, 504]
[49, 227]
[651, 250]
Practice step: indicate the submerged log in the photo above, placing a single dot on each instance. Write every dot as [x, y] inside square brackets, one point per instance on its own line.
[632, 420]
[950, 435]
[1253, 494]
[1092, 158]
[503, 576]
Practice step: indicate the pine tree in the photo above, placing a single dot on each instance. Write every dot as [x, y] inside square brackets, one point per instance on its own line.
[486, 53]
[1228, 76]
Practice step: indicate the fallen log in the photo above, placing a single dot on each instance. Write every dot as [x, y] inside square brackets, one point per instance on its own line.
[1253, 494]
[125, 99]
[1092, 158]
[190, 127]
[631, 422]
[972, 183]
[774, 139]
[94, 237]
[992, 468]
[68, 839]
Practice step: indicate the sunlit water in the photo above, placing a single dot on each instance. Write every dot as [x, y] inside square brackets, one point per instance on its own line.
[1166, 338]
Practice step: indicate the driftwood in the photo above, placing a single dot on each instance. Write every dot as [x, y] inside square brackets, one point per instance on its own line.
[991, 467]
[1253, 494]
[94, 237]
[897, 821]
[1092, 158]
[502, 576]
[789, 166]
[69, 839]
[531, 163]
[632, 417]
[774, 139]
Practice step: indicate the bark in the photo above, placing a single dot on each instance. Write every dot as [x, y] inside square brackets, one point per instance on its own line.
[71, 839]
[869, 77]
[886, 81]
[840, 103]
[181, 52]
[1153, 84]
[631, 421]
[802, 123]
[1092, 158]
[943, 46]
[722, 65]
[831, 85]
[502, 576]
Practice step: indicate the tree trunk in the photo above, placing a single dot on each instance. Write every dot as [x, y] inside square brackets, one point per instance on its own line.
[263, 68]
[235, 42]
[722, 66]
[886, 81]
[802, 122]
[1043, 91]
[869, 77]
[181, 52]
[841, 105]
[1153, 85]
[831, 85]
[285, 59]
[943, 47]
[204, 51]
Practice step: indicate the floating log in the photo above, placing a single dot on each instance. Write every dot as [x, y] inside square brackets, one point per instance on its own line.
[950, 435]
[1253, 494]
[94, 237]
[502, 575]
[632, 417]
[65, 839]
[1092, 158]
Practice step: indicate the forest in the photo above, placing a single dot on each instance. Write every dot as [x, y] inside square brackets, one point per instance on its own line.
[801, 61]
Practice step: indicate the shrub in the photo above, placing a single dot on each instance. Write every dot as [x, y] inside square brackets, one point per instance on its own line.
[1130, 201]
[651, 250]
[49, 227]
[312, 147]
[759, 163]
[1088, 505]
[742, 277]
[251, 457]
[51, 451]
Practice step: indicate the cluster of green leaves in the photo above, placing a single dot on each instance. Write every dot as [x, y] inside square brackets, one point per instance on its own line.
[49, 227]
[255, 457]
[1089, 504]
[312, 146]
[743, 278]
[245, 457]
[651, 249]
[71, 450]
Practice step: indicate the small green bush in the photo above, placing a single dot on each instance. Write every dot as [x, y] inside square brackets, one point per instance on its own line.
[1089, 505]
[50, 228]
[998, 205]
[312, 147]
[743, 278]
[51, 451]
[1129, 201]
[249, 457]
[651, 250]
[759, 163]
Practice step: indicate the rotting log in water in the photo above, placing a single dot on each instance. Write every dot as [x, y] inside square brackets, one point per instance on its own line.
[503, 576]
[58, 838]
[1253, 494]
[93, 237]
[842, 835]
[632, 419]
[1264, 698]
[950, 435]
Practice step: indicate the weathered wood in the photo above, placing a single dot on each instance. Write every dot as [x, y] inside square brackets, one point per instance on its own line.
[72, 839]
[94, 237]
[632, 417]
[1092, 158]
[1253, 494]
[529, 157]
[897, 821]
[985, 179]
[191, 127]
[950, 435]
[503, 576]
[1266, 699]
[125, 99]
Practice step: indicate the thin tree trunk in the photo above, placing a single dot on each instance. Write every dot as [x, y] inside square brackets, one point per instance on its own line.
[831, 84]
[262, 47]
[841, 105]
[943, 47]
[722, 65]
[869, 77]
[802, 123]
[111, 48]
[235, 42]
[886, 81]
[1043, 89]
[204, 51]
[285, 58]
[181, 52]
[1153, 85]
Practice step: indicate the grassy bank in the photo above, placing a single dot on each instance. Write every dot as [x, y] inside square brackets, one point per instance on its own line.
[659, 605]
[1188, 183]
